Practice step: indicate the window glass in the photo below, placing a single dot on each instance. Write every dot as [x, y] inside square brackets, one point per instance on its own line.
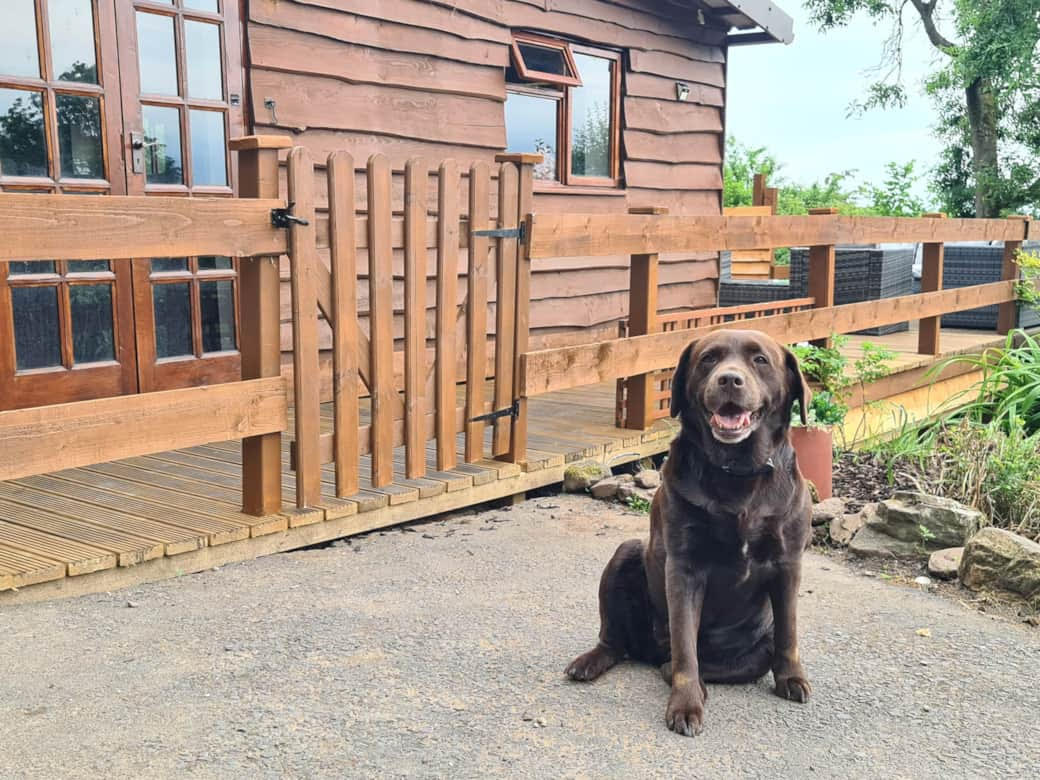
[215, 264]
[590, 118]
[36, 332]
[168, 264]
[172, 319]
[72, 40]
[202, 41]
[18, 54]
[162, 137]
[217, 304]
[155, 54]
[531, 127]
[23, 146]
[544, 59]
[92, 334]
[87, 266]
[79, 137]
[23, 267]
[208, 149]
[202, 5]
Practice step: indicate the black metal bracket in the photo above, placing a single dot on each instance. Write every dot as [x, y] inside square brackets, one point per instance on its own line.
[284, 218]
[511, 411]
[518, 233]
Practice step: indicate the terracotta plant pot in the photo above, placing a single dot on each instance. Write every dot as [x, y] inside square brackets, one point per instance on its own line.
[815, 450]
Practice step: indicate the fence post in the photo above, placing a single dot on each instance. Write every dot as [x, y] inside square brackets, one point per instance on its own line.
[931, 281]
[1007, 312]
[522, 318]
[259, 336]
[821, 274]
[642, 319]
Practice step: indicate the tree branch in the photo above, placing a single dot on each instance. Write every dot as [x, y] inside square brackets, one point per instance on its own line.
[926, 11]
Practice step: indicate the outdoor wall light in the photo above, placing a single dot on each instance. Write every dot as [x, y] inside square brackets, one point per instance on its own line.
[682, 91]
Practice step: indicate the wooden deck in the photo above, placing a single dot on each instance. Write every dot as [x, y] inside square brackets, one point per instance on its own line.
[141, 519]
[122, 523]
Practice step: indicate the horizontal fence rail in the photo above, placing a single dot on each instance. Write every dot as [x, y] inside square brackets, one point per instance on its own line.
[585, 235]
[70, 227]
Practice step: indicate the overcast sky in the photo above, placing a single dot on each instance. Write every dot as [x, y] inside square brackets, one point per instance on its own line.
[794, 99]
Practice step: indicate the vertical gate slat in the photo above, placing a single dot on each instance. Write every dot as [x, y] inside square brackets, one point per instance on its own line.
[505, 307]
[416, 178]
[518, 440]
[306, 377]
[476, 309]
[345, 385]
[447, 303]
[381, 319]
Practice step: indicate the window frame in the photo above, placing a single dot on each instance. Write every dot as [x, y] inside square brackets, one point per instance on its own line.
[49, 87]
[565, 180]
[554, 44]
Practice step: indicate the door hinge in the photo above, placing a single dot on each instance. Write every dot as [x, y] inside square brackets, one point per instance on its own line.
[284, 218]
[518, 233]
[511, 411]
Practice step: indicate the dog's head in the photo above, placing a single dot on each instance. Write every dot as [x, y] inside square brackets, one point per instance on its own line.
[736, 385]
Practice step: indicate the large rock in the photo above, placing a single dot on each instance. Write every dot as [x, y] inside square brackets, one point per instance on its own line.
[871, 543]
[579, 477]
[648, 478]
[844, 527]
[995, 558]
[825, 511]
[944, 564]
[945, 522]
[605, 488]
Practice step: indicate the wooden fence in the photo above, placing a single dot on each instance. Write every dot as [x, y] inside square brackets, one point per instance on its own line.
[426, 407]
[362, 243]
[650, 349]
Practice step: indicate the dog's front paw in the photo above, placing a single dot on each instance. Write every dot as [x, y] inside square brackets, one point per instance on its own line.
[685, 713]
[793, 688]
[588, 666]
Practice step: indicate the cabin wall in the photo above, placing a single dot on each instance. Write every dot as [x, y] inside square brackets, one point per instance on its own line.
[426, 78]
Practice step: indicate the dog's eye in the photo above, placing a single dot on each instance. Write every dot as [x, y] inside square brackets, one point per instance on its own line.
[762, 359]
[709, 359]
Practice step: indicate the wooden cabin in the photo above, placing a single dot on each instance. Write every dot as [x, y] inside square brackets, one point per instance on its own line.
[624, 98]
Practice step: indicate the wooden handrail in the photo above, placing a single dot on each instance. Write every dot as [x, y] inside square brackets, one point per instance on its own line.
[597, 235]
[557, 369]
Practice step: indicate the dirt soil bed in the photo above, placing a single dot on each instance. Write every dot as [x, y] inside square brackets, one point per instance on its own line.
[438, 651]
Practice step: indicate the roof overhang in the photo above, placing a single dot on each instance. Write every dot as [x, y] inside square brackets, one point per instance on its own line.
[753, 21]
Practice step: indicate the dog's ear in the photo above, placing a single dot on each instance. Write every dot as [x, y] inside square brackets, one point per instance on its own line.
[797, 387]
[679, 399]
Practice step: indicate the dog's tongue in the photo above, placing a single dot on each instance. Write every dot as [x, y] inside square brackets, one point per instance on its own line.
[731, 422]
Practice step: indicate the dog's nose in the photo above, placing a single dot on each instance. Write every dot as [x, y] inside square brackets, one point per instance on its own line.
[731, 379]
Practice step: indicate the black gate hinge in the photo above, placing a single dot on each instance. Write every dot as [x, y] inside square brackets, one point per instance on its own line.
[284, 218]
[518, 233]
[511, 411]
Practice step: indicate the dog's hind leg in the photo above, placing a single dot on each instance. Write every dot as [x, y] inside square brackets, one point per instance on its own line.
[625, 615]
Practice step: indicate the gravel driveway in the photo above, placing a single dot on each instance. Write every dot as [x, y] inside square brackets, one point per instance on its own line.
[439, 652]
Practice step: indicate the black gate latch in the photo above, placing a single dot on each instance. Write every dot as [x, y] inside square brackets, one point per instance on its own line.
[517, 233]
[284, 218]
[511, 411]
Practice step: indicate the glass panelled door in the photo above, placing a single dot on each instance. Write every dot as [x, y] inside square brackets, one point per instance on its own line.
[66, 328]
[181, 103]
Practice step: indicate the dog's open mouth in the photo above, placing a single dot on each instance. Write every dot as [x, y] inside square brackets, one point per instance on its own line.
[731, 424]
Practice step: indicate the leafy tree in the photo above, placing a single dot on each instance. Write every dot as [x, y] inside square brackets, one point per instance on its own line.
[986, 90]
[893, 198]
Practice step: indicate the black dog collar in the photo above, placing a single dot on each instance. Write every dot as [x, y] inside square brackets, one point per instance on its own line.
[765, 469]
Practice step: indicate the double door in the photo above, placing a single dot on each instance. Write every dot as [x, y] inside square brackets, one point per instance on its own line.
[117, 97]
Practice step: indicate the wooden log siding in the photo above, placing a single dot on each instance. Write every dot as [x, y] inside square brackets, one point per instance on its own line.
[425, 78]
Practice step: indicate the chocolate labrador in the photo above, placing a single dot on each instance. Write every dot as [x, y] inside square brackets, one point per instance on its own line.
[712, 597]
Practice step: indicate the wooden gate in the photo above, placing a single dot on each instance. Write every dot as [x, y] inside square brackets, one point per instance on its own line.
[396, 365]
